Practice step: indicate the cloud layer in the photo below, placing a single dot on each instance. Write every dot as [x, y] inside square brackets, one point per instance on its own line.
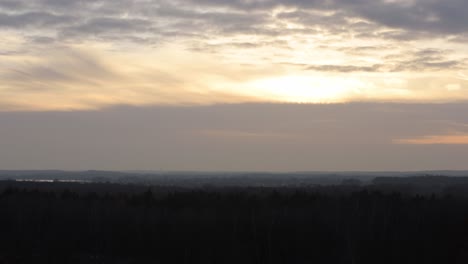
[64, 54]
[106, 18]
[264, 137]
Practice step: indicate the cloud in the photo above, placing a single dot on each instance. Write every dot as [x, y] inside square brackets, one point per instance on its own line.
[420, 60]
[11, 4]
[34, 19]
[351, 47]
[437, 17]
[65, 78]
[64, 65]
[345, 68]
[281, 137]
[87, 18]
[435, 140]
[106, 25]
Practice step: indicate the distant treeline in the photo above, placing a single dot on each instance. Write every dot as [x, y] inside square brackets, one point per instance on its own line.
[433, 180]
[112, 223]
[185, 179]
[245, 179]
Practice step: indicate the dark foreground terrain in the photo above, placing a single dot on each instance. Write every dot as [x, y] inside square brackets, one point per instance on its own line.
[113, 223]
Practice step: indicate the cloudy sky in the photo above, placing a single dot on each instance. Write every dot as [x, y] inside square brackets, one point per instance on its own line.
[234, 84]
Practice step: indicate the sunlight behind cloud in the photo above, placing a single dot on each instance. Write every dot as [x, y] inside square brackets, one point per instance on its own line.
[94, 74]
[305, 89]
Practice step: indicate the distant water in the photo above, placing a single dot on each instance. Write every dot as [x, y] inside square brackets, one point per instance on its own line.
[48, 180]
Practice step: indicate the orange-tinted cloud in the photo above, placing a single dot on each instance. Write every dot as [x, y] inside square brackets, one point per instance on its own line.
[459, 139]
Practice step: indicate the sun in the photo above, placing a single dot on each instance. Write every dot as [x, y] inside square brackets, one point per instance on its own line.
[305, 89]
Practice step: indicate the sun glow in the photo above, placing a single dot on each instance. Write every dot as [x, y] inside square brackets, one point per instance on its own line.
[307, 89]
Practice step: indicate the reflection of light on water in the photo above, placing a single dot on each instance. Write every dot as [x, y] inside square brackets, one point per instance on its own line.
[48, 180]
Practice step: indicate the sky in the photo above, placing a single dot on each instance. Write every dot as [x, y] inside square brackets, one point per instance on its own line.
[264, 85]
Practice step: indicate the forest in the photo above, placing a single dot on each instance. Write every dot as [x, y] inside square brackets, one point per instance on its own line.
[384, 222]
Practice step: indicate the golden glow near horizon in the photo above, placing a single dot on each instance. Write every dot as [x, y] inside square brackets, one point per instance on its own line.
[290, 57]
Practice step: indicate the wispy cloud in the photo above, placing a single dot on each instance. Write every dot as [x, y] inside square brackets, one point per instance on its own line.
[461, 139]
[80, 77]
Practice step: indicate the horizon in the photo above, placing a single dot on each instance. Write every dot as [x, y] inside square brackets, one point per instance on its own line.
[234, 172]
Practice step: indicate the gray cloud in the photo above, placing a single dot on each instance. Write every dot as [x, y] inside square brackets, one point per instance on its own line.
[445, 17]
[362, 50]
[437, 17]
[33, 19]
[425, 60]
[98, 26]
[345, 68]
[282, 44]
[41, 39]
[286, 137]
[414, 19]
[411, 65]
[418, 61]
[11, 4]
[249, 25]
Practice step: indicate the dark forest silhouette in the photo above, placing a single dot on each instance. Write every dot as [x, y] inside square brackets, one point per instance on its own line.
[112, 223]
